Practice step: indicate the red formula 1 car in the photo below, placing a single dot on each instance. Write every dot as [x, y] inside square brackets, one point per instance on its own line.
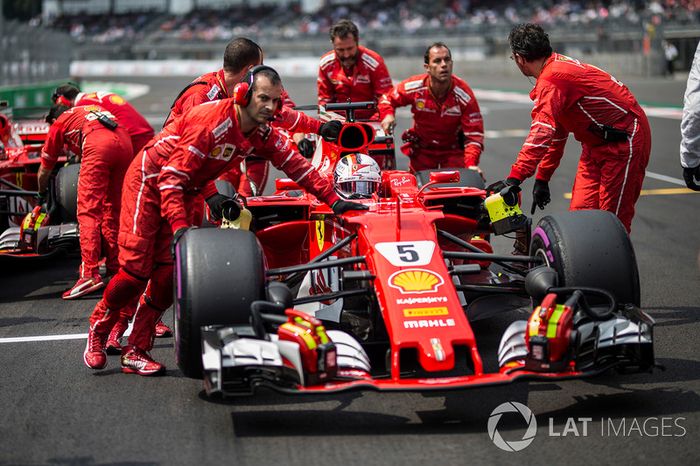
[383, 299]
[25, 232]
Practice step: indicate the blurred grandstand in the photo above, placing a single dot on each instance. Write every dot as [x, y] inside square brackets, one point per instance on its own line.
[476, 29]
[158, 29]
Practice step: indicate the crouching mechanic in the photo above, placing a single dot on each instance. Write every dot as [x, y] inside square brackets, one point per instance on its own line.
[93, 136]
[599, 110]
[448, 130]
[129, 118]
[160, 187]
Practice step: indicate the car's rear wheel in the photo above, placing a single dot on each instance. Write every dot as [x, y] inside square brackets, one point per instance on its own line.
[67, 192]
[589, 248]
[467, 178]
[219, 273]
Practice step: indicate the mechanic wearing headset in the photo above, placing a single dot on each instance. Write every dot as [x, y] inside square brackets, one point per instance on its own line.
[103, 147]
[240, 56]
[128, 117]
[690, 127]
[448, 130]
[574, 97]
[351, 71]
[159, 189]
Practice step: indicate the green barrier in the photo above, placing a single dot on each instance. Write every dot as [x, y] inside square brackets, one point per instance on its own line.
[25, 98]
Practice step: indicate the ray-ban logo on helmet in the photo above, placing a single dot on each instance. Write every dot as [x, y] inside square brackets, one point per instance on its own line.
[513, 445]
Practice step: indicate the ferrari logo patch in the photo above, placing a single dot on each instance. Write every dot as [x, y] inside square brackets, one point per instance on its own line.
[415, 281]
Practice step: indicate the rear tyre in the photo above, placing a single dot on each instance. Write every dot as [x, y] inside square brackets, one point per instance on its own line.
[467, 178]
[67, 192]
[589, 248]
[219, 273]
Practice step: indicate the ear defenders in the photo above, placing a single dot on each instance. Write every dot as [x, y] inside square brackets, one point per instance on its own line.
[243, 91]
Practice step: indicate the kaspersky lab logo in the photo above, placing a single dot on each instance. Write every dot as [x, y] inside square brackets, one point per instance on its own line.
[512, 407]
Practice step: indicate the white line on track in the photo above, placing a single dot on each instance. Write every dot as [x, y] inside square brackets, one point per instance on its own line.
[69, 336]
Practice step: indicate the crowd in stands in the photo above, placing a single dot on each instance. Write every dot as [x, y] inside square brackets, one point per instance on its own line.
[374, 17]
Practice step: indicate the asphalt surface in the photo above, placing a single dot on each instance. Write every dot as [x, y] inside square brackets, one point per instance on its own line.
[54, 410]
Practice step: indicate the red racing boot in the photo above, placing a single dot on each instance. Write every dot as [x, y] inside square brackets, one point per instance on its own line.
[163, 330]
[138, 361]
[94, 355]
[83, 286]
[113, 345]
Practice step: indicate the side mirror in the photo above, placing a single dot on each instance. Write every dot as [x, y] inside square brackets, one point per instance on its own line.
[444, 177]
[285, 184]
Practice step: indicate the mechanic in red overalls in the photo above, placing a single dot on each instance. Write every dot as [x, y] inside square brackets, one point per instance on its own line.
[135, 124]
[141, 132]
[240, 56]
[351, 71]
[162, 184]
[574, 97]
[93, 135]
[448, 130]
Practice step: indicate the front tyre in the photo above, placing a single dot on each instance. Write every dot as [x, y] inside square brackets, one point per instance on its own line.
[218, 274]
[589, 248]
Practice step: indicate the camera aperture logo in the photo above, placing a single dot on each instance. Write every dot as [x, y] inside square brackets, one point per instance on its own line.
[514, 445]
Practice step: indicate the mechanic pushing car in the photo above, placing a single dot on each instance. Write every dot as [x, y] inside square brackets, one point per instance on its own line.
[351, 72]
[94, 136]
[240, 55]
[448, 130]
[690, 127]
[129, 118]
[162, 184]
[574, 97]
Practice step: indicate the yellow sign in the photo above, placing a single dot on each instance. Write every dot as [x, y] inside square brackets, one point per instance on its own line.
[415, 281]
[320, 233]
[425, 312]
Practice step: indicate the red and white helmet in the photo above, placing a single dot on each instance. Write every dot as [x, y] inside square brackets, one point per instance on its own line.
[357, 176]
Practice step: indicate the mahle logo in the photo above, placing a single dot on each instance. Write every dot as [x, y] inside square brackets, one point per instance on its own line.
[512, 407]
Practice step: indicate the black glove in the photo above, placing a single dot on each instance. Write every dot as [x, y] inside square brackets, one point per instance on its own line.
[340, 207]
[540, 195]
[498, 186]
[231, 209]
[176, 237]
[216, 204]
[41, 198]
[330, 130]
[306, 148]
[692, 178]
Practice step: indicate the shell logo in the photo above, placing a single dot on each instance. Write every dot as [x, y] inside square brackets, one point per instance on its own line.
[116, 99]
[415, 281]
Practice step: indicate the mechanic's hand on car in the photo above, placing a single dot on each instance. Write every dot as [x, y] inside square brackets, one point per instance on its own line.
[388, 124]
[330, 130]
[176, 237]
[306, 148]
[216, 204]
[231, 209]
[540, 195]
[478, 170]
[498, 186]
[692, 178]
[340, 206]
[42, 199]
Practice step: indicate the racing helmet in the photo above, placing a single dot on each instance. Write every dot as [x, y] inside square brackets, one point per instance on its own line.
[357, 176]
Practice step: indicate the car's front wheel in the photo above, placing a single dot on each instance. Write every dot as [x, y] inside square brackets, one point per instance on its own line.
[589, 248]
[218, 274]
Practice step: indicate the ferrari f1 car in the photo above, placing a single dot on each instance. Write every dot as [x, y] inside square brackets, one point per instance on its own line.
[25, 231]
[384, 299]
